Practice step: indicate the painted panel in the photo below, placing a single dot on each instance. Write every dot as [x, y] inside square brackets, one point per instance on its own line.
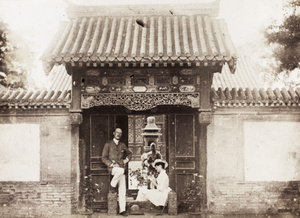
[95, 166]
[184, 136]
[99, 134]
[19, 152]
[182, 181]
[101, 181]
[139, 101]
[272, 153]
[185, 165]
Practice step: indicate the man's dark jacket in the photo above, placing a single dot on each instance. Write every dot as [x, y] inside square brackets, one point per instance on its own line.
[113, 153]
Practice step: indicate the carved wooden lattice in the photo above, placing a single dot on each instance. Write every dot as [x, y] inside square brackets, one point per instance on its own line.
[140, 101]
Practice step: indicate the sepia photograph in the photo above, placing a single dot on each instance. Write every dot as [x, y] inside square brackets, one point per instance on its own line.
[170, 108]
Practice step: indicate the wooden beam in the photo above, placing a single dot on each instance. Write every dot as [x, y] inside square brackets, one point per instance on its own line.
[76, 89]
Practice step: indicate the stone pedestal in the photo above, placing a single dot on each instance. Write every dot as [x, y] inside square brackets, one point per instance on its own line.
[172, 203]
[112, 202]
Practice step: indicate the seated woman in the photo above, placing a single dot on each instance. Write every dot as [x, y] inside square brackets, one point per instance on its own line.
[159, 195]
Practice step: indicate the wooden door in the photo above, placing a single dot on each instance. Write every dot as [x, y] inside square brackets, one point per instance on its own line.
[100, 132]
[98, 129]
[183, 154]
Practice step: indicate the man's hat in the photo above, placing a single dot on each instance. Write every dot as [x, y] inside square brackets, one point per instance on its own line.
[160, 161]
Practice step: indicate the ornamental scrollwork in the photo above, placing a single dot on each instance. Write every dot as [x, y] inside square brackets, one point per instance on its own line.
[140, 101]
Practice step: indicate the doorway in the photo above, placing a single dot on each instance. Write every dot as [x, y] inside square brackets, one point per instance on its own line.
[178, 145]
[137, 171]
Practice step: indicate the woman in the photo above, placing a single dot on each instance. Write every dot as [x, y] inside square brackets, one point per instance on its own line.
[159, 195]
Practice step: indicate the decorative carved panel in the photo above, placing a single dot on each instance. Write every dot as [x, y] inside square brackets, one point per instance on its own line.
[99, 133]
[140, 89]
[139, 125]
[185, 165]
[140, 101]
[130, 129]
[185, 145]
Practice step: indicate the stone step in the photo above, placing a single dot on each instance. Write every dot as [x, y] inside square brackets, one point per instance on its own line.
[142, 206]
[145, 206]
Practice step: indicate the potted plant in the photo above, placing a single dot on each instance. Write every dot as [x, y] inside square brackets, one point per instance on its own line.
[90, 189]
[192, 194]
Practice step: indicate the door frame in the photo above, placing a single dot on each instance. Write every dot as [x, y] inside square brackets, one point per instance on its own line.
[119, 110]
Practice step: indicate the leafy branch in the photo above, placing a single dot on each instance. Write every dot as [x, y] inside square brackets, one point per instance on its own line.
[90, 190]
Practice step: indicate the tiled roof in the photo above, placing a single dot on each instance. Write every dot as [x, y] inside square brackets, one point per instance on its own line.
[245, 76]
[58, 93]
[220, 98]
[35, 99]
[59, 80]
[151, 40]
[255, 97]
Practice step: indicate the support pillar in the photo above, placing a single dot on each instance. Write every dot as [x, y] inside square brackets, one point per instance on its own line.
[205, 119]
[75, 121]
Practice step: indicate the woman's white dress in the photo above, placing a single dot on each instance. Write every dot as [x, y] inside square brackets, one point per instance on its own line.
[157, 196]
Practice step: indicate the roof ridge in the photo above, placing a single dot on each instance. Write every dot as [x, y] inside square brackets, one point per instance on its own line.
[286, 97]
[256, 97]
[75, 10]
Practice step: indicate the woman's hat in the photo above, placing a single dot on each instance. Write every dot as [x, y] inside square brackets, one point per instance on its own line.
[160, 161]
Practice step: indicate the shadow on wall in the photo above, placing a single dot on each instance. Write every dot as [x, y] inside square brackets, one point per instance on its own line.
[288, 205]
[291, 198]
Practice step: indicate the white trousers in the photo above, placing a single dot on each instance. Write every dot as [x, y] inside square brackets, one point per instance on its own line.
[119, 179]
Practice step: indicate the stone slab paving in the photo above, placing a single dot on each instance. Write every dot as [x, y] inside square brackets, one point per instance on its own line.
[152, 215]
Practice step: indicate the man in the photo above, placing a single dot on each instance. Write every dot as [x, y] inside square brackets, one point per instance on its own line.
[147, 160]
[115, 156]
[149, 157]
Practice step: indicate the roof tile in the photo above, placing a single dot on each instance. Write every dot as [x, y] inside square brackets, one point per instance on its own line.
[219, 98]
[130, 39]
[35, 99]
[262, 98]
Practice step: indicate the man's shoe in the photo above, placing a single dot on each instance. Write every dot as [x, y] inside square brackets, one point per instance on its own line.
[113, 189]
[123, 213]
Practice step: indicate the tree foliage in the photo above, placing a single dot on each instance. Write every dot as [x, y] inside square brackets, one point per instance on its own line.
[15, 58]
[3, 49]
[287, 38]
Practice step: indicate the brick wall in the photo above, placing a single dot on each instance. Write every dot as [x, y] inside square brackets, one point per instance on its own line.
[55, 193]
[33, 199]
[227, 190]
[253, 198]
